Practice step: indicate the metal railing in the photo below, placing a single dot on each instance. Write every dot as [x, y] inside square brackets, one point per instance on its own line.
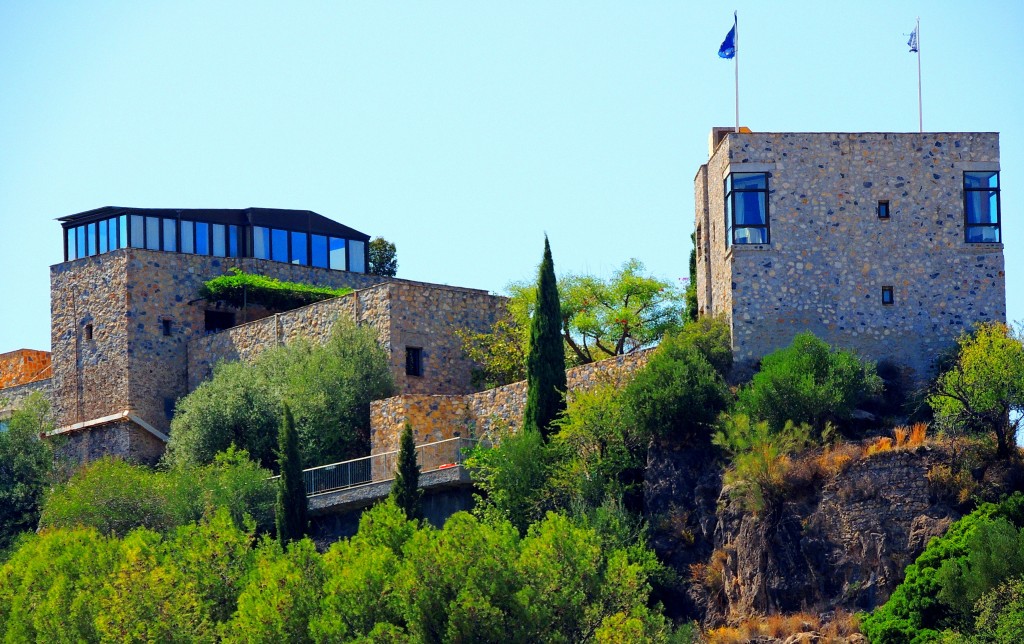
[381, 467]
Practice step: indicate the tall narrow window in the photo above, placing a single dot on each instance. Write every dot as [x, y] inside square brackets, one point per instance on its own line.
[72, 251]
[152, 233]
[80, 241]
[202, 238]
[91, 232]
[318, 248]
[112, 234]
[298, 254]
[232, 241]
[122, 228]
[981, 207]
[337, 254]
[219, 240]
[88, 332]
[103, 236]
[357, 256]
[188, 237]
[165, 325]
[413, 361]
[279, 245]
[883, 209]
[261, 242]
[887, 297]
[170, 235]
[746, 208]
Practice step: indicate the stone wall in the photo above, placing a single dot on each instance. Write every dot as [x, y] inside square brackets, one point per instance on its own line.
[24, 366]
[830, 254]
[404, 314]
[12, 398]
[122, 439]
[437, 418]
[122, 298]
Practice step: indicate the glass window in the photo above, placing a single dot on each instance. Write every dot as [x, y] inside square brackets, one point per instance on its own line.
[152, 233]
[318, 248]
[219, 241]
[883, 209]
[112, 234]
[232, 241]
[71, 244]
[170, 235]
[188, 237]
[261, 242]
[279, 245]
[122, 226]
[357, 256]
[103, 236]
[746, 208]
[91, 233]
[80, 242]
[337, 254]
[202, 238]
[298, 254]
[981, 207]
[413, 361]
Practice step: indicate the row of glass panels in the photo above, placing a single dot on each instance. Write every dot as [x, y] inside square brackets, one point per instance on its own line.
[219, 240]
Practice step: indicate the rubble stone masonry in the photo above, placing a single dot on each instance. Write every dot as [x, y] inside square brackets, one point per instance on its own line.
[830, 255]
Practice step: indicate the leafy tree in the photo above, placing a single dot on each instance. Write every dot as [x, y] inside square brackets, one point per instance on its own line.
[26, 468]
[238, 406]
[513, 476]
[995, 552]
[330, 387]
[678, 395]
[599, 319]
[383, 259]
[290, 510]
[545, 363]
[690, 295]
[115, 497]
[712, 338]
[808, 382]
[984, 389]
[1000, 613]
[405, 489]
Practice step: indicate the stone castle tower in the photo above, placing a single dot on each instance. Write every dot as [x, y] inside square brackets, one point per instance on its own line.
[885, 243]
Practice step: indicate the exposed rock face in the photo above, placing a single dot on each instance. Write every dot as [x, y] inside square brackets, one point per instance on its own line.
[839, 543]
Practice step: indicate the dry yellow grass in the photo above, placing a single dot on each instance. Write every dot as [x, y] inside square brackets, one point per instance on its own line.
[917, 434]
[901, 432]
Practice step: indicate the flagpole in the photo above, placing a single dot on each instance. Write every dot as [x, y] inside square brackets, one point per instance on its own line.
[920, 112]
[736, 44]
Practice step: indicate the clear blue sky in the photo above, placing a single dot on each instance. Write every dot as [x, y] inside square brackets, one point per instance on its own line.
[462, 131]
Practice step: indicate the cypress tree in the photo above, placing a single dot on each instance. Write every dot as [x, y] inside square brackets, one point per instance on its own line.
[290, 509]
[405, 488]
[545, 363]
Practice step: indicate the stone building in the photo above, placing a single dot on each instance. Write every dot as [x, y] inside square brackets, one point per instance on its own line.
[885, 243]
[130, 334]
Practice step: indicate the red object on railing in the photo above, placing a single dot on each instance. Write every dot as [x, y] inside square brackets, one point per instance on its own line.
[445, 466]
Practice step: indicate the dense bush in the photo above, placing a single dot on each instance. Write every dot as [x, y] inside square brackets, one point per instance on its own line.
[915, 612]
[678, 395]
[239, 288]
[983, 390]
[115, 497]
[394, 581]
[329, 387]
[808, 382]
[26, 467]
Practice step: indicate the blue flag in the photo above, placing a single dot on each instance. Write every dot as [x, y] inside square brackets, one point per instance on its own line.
[912, 42]
[728, 48]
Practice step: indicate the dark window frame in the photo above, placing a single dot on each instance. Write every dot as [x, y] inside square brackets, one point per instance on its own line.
[165, 325]
[888, 298]
[998, 225]
[883, 209]
[730, 210]
[88, 333]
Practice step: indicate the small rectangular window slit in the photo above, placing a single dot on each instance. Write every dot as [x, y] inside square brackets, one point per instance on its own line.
[883, 209]
[166, 325]
[413, 361]
[88, 332]
[887, 298]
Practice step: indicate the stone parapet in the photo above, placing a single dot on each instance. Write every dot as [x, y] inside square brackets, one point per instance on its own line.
[478, 415]
[12, 398]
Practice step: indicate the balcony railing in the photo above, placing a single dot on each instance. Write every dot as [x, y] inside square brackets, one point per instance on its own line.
[381, 467]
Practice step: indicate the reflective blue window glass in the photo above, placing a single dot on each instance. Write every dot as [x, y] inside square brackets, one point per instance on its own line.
[298, 253]
[80, 242]
[91, 232]
[122, 231]
[71, 244]
[279, 245]
[188, 237]
[232, 241]
[318, 246]
[219, 240]
[152, 233]
[261, 242]
[136, 231]
[170, 235]
[357, 256]
[103, 236]
[202, 238]
[746, 208]
[112, 234]
[981, 207]
[337, 254]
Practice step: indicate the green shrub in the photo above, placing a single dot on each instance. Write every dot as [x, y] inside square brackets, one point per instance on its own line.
[513, 477]
[678, 395]
[26, 468]
[808, 382]
[239, 288]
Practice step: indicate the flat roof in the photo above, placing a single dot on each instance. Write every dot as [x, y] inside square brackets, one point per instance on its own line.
[301, 220]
